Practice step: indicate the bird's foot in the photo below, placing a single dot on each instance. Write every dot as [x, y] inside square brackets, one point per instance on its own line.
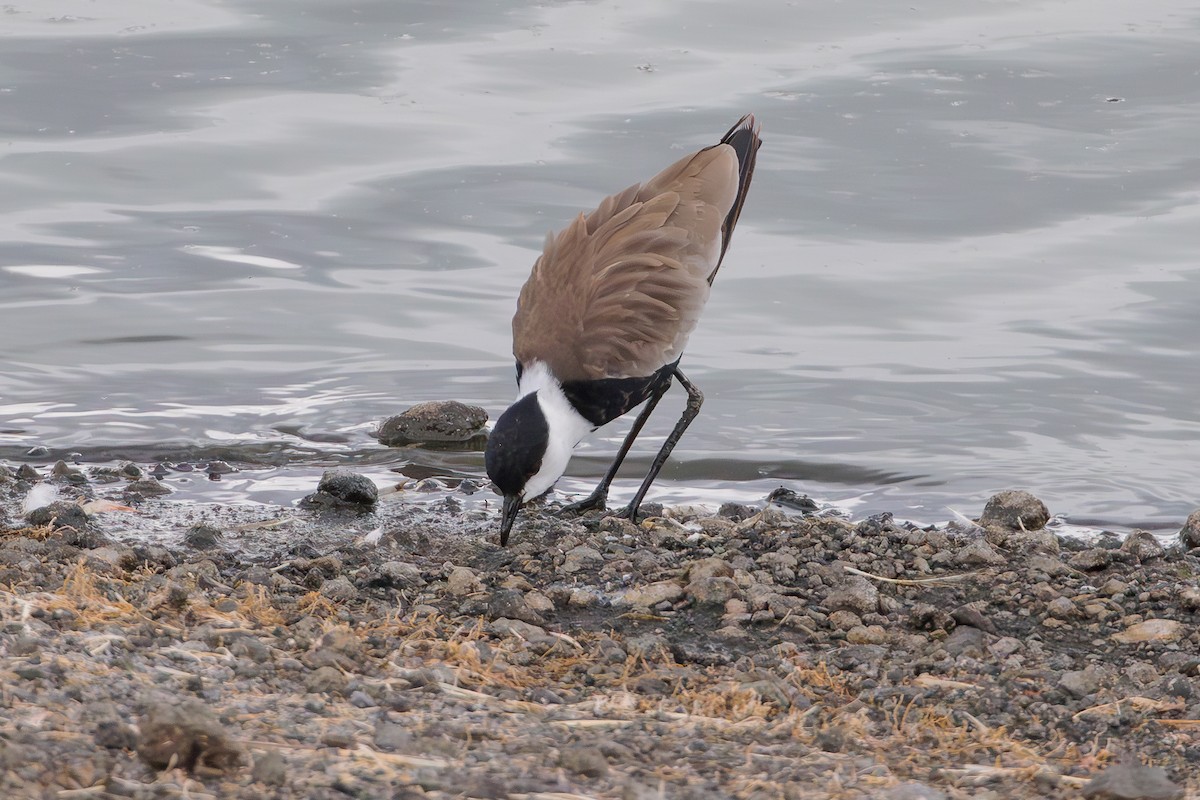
[595, 500]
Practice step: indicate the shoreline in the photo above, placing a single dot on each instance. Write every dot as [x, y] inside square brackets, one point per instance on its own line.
[745, 653]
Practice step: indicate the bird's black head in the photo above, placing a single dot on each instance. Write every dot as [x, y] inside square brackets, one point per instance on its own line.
[514, 454]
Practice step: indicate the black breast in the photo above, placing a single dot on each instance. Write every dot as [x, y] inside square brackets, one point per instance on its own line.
[602, 401]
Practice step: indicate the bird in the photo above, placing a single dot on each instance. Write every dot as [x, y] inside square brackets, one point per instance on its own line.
[603, 319]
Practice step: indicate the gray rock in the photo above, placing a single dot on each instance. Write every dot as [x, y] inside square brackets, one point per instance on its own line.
[463, 581]
[270, 769]
[978, 553]
[187, 734]
[711, 590]
[1015, 510]
[581, 558]
[855, 594]
[583, 760]
[709, 568]
[649, 595]
[1091, 560]
[400, 575]
[1132, 782]
[340, 589]
[1081, 682]
[391, 736]
[325, 680]
[343, 488]
[436, 421]
[1142, 545]
[60, 514]
[965, 640]
[912, 791]
[1189, 534]
[202, 537]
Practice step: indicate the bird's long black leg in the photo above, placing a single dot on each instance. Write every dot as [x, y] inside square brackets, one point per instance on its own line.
[599, 496]
[694, 401]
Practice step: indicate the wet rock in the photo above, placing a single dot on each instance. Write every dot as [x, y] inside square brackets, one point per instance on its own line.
[1132, 781]
[510, 604]
[740, 511]
[68, 473]
[1015, 510]
[203, 537]
[342, 488]
[583, 760]
[790, 499]
[60, 514]
[187, 734]
[270, 769]
[146, 487]
[1142, 546]
[1151, 630]
[398, 575]
[1189, 534]
[437, 421]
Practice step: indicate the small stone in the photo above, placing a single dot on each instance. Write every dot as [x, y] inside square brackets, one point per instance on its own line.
[463, 581]
[583, 760]
[187, 734]
[648, 596]
[1080, 683]
[581, 558]
[270, 769]
[1091, 560]
[391, 736]
[399, 575]
[1189, 534]
[344, 488]
[978, 553]
[711, 590]
[855, 594]
[1005, 646]
[60, 514]
[1113, 587]
[328, 680]
[709, 568]
[1061, 607]
[965, 640]
[843, 620]
[912, 791]
[202, 537]
[1151, 630]
[868, 634]
[436, 421]
[1132, 781]
[339, 589]
[146, 487]
[1015, 510]
[1143, 546]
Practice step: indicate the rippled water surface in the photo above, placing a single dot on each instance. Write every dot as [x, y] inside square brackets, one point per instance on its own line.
[970, 259]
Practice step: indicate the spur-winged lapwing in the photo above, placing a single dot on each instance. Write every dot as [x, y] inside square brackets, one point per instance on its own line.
[604, 317]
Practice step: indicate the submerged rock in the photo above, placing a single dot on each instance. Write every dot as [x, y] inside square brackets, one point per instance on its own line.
[437, 421]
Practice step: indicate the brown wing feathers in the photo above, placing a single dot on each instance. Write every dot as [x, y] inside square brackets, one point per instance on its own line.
[617, 292]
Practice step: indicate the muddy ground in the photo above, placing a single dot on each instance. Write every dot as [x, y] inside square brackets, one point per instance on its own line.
[740, 653]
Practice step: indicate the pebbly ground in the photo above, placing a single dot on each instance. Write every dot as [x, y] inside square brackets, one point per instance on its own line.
[745, 653]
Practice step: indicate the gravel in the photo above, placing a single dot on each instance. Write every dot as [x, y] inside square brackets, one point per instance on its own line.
[751, 653]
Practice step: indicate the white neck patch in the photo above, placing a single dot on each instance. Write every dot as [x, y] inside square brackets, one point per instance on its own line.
[567, 426]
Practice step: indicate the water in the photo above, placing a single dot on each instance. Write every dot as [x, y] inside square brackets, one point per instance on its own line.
[251, 230]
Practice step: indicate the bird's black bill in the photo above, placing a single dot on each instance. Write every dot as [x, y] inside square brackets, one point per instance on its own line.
[512, 507]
